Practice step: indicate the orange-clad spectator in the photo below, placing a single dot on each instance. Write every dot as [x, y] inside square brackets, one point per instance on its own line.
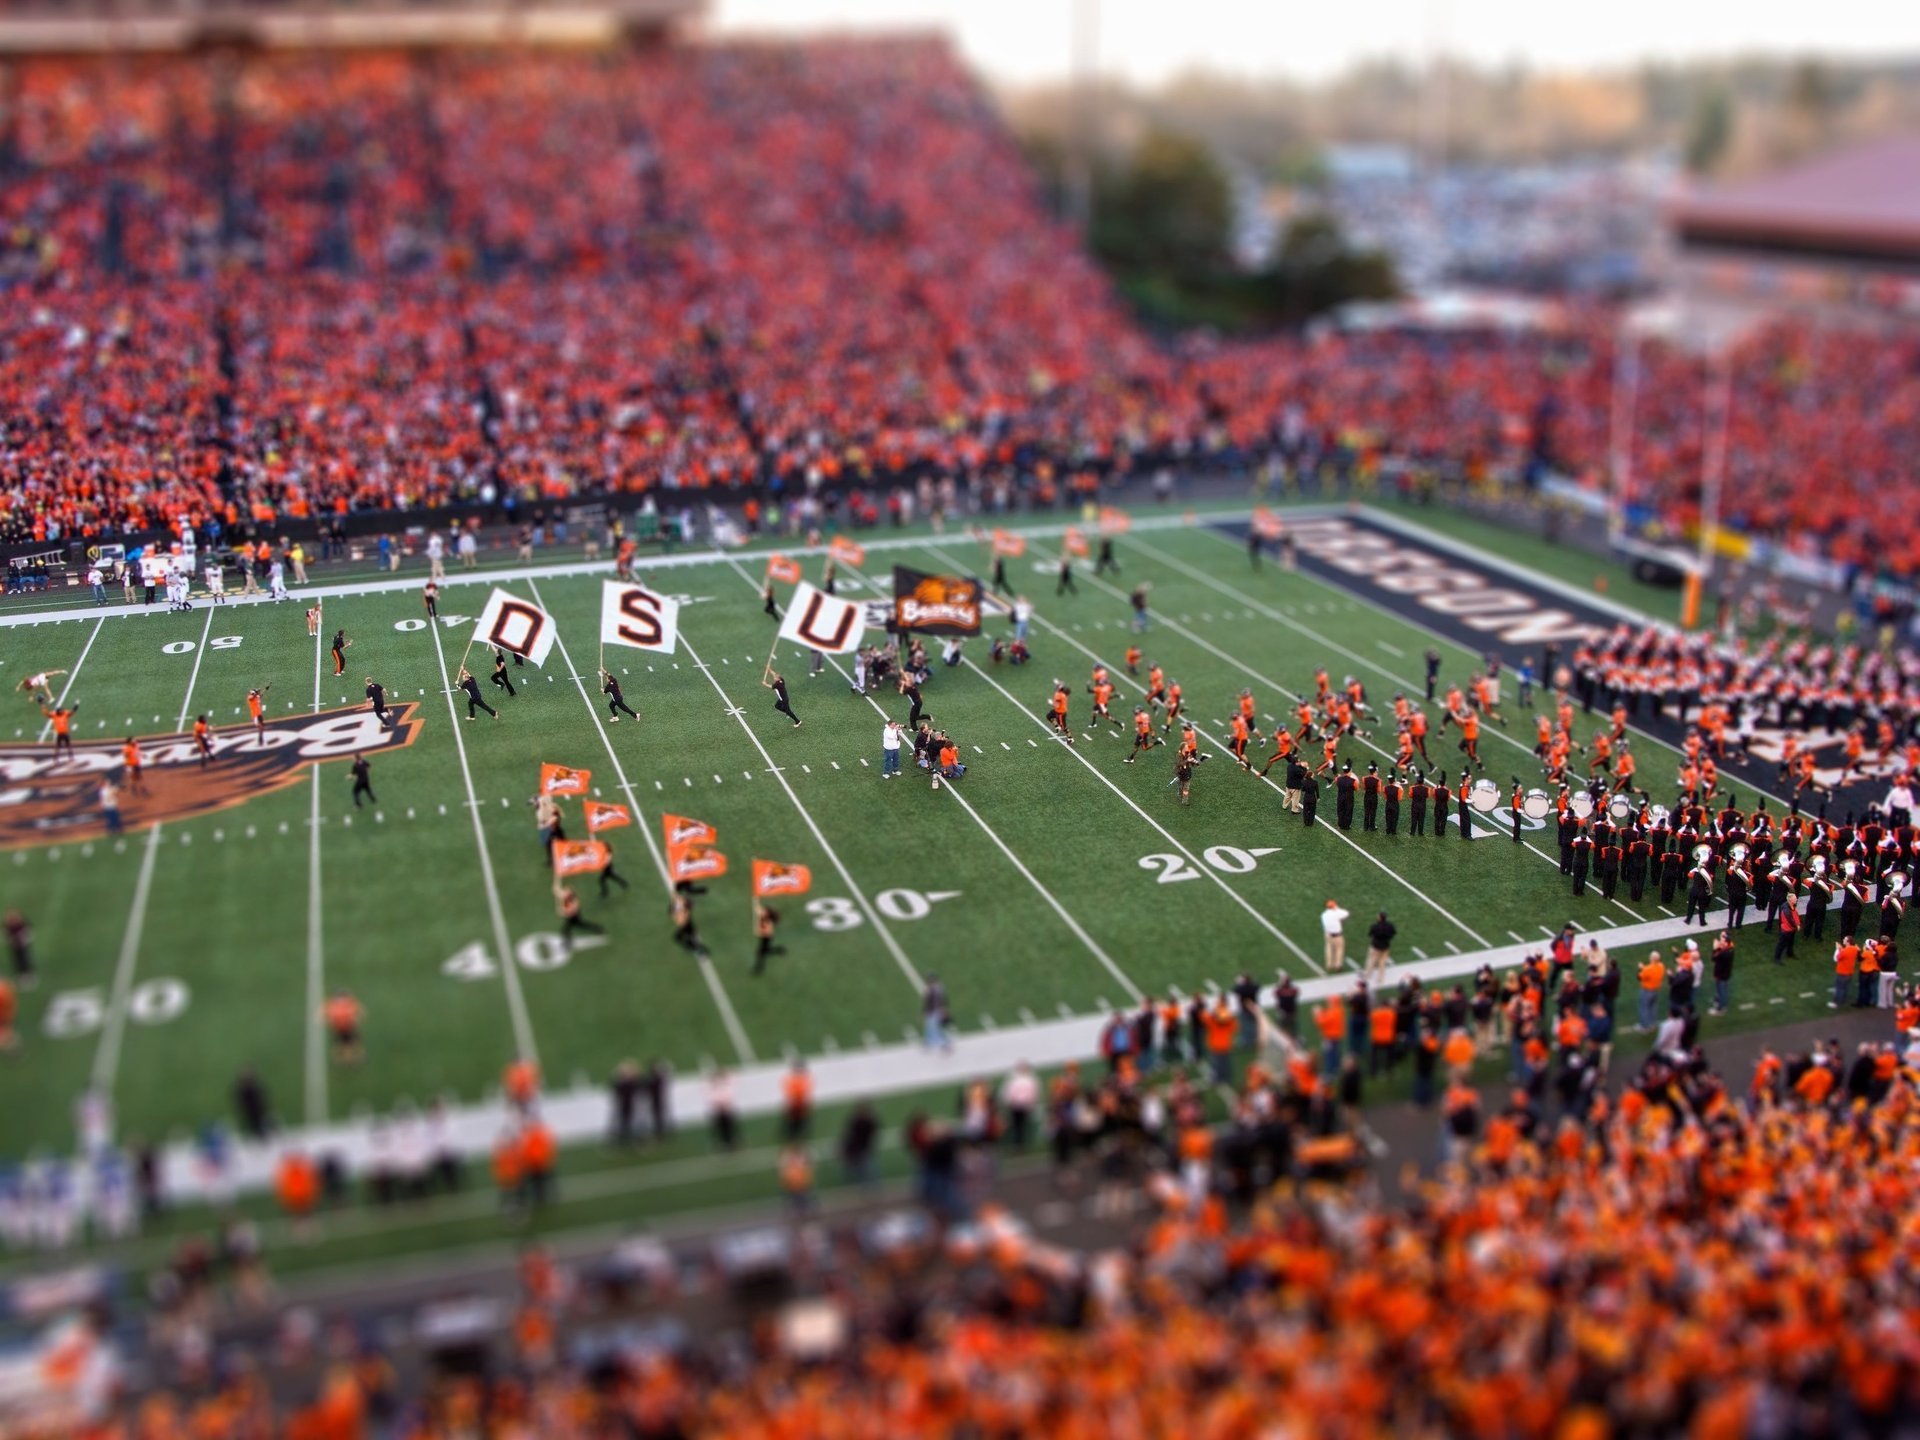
[796, 1092]
[342, 1016]
[521, 1083]
[538, 1156]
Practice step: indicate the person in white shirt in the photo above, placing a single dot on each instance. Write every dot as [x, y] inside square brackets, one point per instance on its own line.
[277, 580]
[890, 750]
[1331, 920]
[436, 556]
[1020, 1094]
[98, 583]
[1899, 803]
[469, 549]
[217, 582]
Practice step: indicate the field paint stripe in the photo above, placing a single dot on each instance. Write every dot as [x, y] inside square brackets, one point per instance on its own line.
[1165, 834]
[1480, 557]
[1268, 780]
[316, 954]
[728, 1016]
[1039, 888]
[18, 616]
[860, 896]
[1175, 563]
[509, 966]
[106, 1059]
[1391, 649]
[73, 675]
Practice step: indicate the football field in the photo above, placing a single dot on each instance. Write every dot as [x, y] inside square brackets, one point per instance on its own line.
[1050, 881]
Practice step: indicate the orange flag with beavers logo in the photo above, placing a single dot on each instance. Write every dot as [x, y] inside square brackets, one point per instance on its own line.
[602, 816]
[779, 567]
[580, 857]
[770, 877]
[564, 780]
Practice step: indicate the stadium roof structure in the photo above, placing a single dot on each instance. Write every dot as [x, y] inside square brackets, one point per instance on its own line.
[1857, 203]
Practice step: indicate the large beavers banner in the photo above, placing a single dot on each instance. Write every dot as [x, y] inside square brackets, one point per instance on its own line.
[935, 604]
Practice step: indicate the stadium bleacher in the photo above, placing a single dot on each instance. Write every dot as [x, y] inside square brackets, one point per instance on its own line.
[727, 266]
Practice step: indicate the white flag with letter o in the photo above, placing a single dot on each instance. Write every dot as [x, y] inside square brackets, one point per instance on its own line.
[819, 621]
[517, 626]
[634, 615]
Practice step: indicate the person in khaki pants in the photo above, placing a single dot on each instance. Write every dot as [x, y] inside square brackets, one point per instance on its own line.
[1331, 920]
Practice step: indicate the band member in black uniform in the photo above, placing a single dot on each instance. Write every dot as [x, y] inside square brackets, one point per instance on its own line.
[1416, 806]
[1309, 798]
[1392, 790]
[1673, 865]
[1699, 892]
[340, 644]
[1738, 888]
[1638, 864]
[1779, 889]
[1466, 810]
[1433, 673]
[616, 702]
[1892, 907]
[1582, 852]
[1609, 859]
[1437, 796]
[1569, 827]
[1370, 797]
[1819, 894]
[1000, 575]
[1343, 789]
[472, 688]
[1852, 902]
[1519, 795]
[500, 676]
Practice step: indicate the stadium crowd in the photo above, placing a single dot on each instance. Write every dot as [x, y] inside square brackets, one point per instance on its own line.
[262, 290]
[1689, 1251]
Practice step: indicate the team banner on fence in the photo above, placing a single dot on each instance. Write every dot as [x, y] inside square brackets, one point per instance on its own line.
[821, 622]
[564, 780]
[770, 877]
[634, 615]
[601, 816]
[517, 626]
[780, 568]
[580, 857]
[926, 604]
[847, 552]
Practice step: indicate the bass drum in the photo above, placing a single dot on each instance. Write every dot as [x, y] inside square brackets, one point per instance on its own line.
[1536, 805]
[1620, 809]
[1581, 805]
[1484, 796]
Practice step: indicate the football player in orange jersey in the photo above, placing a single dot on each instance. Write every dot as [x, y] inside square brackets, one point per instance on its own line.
[1143, 736]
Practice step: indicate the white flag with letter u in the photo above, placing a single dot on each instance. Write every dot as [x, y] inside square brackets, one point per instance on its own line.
[517, 626]
[820, 621]
[634, 615]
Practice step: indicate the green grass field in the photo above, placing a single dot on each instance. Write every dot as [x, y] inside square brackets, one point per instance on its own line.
[1048, 881]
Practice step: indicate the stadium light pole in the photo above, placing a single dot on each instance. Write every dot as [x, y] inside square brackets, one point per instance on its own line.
[1085, 53]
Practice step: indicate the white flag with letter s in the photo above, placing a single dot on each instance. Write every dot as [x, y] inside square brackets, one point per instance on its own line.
[819, 621]
[517, 626]
[634, 615]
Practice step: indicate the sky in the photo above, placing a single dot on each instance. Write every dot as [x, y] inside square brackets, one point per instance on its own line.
[1147, 41]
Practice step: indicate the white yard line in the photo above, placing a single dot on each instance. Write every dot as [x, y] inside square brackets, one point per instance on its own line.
[106, 1059]
[1165, 834]
[1119, 672]
[1174, 563]
[561, 568]
[1480, 557]
[73, 675]
[953, 793]
[509, 971]
[833, 856]
[316, 1053]
[729, 1017]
